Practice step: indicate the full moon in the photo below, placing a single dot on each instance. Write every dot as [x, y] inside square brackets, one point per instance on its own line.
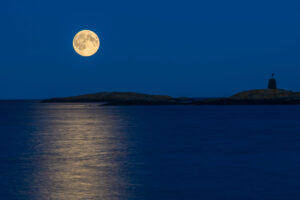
[86, 43]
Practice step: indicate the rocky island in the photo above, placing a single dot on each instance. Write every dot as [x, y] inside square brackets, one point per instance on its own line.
[122, 98]
[269, 96]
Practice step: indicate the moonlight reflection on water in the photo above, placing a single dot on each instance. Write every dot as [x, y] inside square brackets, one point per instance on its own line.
[82, 151]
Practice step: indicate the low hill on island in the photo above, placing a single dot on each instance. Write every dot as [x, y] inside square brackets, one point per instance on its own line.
[266, 94]
[255, 97]
[121, 98]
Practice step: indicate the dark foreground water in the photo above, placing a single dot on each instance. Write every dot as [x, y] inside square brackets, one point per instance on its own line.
[85, 151]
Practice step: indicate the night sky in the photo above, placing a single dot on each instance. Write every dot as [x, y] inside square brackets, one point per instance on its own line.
[180, 48]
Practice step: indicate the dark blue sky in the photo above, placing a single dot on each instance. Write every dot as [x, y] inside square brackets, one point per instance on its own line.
[180, 48]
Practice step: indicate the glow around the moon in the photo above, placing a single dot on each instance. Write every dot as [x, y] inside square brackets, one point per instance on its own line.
[86, 43]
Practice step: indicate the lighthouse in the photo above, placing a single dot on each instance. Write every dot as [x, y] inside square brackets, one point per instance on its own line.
[272, 83]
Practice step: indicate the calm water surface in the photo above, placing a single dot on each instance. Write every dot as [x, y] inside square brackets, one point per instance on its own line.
[89, 152]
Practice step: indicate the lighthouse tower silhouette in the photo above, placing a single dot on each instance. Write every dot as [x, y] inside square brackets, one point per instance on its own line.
[272, 83]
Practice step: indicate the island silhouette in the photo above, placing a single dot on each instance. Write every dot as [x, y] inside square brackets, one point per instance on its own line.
[269, 96]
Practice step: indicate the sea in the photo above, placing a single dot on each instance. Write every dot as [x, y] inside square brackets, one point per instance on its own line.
[85, 151]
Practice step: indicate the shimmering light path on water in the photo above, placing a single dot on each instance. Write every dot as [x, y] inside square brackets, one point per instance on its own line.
[86, 151]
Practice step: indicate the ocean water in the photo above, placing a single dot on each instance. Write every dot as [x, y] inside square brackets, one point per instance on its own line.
[88, 152]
